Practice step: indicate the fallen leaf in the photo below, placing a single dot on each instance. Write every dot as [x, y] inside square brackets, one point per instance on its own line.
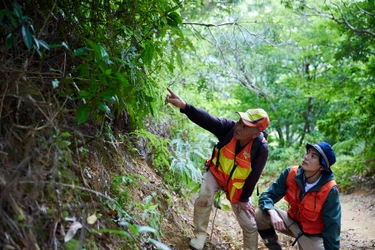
[72, 230]
[92, 219]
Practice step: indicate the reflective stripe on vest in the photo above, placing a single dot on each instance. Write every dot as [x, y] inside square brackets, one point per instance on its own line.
[308, 211]
[232, 171]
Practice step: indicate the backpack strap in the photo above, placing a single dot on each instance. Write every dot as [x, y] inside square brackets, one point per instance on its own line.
[254, 148]
[256, 145]
[226, 139]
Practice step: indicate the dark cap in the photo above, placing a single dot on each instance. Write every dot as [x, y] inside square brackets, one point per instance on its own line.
[328, 157]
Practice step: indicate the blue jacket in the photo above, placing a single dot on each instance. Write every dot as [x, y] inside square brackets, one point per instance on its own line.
[331, 211]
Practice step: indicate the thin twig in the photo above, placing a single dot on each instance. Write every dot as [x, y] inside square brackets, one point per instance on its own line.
[3, 97]
[213, 224]
[210, 24]
[71, 186]
[45, 22]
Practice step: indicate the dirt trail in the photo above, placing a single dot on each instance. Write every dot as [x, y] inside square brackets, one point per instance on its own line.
[358, 220]
[357, 231]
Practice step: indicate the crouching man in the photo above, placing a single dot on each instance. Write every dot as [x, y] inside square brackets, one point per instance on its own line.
[314, 214]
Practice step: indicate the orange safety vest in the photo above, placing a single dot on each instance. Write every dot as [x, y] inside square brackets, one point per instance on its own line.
[307, 211]
[231, 171]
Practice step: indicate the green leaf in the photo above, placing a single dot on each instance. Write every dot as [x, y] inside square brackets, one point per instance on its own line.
[103, 107]
[122, 80]
[141, 177]
[65, 134]
[55, 70]
[38, 51]
[153, 207]
[31, 26]
[55, 45]
[27, 37]
[9, 40]
[25, 19]
[43, 44]
[109, 95]
[148, 54]
[159, 245]
[103, 80]
[146, 229]
[133, 229]
[36, 43]
[81, 51]
[65, 45]
[104, 55]
[64, 143]
[85, 94]
[174, 19]
[113, 98]
[17, 10]
[179, 59]
[113, 231]
[83, 113]
[94, 85]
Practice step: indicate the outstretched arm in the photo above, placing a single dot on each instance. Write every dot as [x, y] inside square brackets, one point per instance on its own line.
[218, 126]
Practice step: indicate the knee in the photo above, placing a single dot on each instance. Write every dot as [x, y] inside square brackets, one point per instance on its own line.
[248, 226]
[258, 214]
[203, 201]
[262, 220]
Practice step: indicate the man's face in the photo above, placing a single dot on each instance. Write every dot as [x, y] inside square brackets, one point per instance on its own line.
[243, 132]
[311, 160]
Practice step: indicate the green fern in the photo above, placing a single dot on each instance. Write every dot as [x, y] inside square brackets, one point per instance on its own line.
[157, 147]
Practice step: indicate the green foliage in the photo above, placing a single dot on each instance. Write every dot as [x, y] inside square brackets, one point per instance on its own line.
[102, 87]
[105, 66]
[204, 9]
[316, 78]
[186, 161]
[157, 146]
[221, 202]
[113, 231]
[159, 245]
[352, 165]
[151, 214]
[121, 48]
[185, 168]
[190, 149]
[281, 158]
[15, 24]
[119, 186]
[73, 244]
[124, 205]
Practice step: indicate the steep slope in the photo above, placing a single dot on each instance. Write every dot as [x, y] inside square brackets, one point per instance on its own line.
[115, 196]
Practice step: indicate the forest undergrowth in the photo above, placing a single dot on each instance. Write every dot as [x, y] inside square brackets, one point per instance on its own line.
[112, 198]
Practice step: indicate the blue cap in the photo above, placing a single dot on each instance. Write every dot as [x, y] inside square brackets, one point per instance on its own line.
[328, 157]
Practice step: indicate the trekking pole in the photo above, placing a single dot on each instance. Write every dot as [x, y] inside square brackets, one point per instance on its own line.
[213, 222]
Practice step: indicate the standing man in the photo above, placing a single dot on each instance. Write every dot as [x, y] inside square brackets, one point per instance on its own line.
[231, 167]
[314, 214]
